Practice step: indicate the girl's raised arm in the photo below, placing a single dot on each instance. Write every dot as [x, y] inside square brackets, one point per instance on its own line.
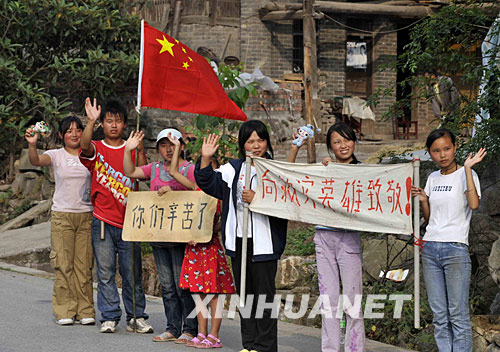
[174, 166]
[471, 192]
[128, 164]
[208, 149]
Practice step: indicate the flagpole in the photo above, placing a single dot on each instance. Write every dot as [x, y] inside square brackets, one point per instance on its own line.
[416, 247]
[141, 67]
[248, 170]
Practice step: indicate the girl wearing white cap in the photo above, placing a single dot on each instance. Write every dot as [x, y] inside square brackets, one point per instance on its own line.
[172, 174]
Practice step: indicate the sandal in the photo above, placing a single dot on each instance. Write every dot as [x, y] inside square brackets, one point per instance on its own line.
[184, 338]
[164, 337]
[196, 340]
[209, 344]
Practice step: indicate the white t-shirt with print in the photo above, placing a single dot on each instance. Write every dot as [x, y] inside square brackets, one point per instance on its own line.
[449, 211]
[72, 193]
[240, 185]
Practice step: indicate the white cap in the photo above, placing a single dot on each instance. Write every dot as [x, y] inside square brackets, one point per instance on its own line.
[164, 134]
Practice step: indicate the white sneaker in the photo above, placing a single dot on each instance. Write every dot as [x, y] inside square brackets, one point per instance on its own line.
[108, 326]
[65, 321]
[142, 327]
[85, 321]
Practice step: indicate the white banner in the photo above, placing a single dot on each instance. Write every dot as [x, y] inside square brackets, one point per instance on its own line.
[372, 198]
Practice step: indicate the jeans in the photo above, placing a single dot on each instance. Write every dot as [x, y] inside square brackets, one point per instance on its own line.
[177, 302]
[447, 271]
[108, 300]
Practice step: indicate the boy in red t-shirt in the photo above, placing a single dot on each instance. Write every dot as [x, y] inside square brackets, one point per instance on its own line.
[109, 192]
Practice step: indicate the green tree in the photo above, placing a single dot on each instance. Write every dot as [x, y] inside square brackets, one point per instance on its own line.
[54, 50]
[204, 125]
[448, 43]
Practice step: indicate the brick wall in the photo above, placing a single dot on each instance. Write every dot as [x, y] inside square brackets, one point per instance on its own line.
[268, 45]
[212, 37]
[255, 39]
[384, 55]
[331, 58]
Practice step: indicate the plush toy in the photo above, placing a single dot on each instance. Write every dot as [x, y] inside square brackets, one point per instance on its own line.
[304, 133]
[42, 128]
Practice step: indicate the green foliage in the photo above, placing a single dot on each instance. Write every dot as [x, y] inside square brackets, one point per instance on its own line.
[401, 332]
[52, 50]
[146, 249]
[448, 43]
[299, 242]
[204, 125]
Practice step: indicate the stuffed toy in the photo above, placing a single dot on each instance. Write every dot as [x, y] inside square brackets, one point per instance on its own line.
[303, 134]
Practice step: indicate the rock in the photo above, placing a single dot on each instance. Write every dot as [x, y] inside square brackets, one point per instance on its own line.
[490, 336]
[295, 271]
[495, 306]
[5, 188]
[27, 183]
[491, 348]
[478, 342]
[47, 189]
[378, 254]
[490, 188]
[494, 262]
[27, 216]
[496, 338]
[24, 163]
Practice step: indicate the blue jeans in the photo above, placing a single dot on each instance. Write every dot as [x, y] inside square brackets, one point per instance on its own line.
[177, 302]
[108, 300]
[447, 271]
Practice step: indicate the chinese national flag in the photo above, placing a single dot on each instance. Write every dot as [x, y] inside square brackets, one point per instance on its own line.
[174, 77]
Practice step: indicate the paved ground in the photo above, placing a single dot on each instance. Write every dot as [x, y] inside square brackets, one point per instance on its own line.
[27, 324]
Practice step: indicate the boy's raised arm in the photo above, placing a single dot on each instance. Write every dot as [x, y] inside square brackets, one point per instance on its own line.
[93, 112]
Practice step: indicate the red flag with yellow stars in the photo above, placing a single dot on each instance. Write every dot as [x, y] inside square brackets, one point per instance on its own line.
[174, 77]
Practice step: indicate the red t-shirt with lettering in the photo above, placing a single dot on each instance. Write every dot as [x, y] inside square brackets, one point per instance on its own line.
[110, 186]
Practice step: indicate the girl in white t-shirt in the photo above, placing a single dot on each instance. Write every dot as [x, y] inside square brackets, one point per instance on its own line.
[447, 202]
[71, 248]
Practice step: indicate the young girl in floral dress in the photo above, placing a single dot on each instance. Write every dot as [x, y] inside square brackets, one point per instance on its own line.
[205, 271]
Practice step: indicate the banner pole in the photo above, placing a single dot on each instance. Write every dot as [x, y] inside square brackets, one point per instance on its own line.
[248, 164]
[136, 188]
[416, 247]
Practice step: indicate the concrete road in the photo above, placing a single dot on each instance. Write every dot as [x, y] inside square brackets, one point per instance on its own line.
[27, 324]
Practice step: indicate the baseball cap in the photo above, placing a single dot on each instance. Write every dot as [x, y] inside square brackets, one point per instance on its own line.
[164, 134]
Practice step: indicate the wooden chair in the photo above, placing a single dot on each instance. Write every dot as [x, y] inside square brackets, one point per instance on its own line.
[403, 127]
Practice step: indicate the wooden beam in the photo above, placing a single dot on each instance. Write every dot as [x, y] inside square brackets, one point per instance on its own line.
[309, 30]
[373, 9]
[344, 8]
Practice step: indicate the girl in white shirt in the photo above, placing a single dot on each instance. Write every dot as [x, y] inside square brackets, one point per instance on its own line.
[447, 202]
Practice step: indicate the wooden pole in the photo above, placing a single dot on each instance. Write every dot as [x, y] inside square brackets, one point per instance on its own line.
[309, 31]
[177, 19]
[416, 248]
[244, 240]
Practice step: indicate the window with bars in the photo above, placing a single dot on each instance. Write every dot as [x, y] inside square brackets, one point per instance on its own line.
[298, 46]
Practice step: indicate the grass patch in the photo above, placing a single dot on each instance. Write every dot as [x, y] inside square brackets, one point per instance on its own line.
[300, 241]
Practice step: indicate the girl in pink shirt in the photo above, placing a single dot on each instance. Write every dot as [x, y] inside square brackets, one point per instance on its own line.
[172, 174]
[71, 249]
